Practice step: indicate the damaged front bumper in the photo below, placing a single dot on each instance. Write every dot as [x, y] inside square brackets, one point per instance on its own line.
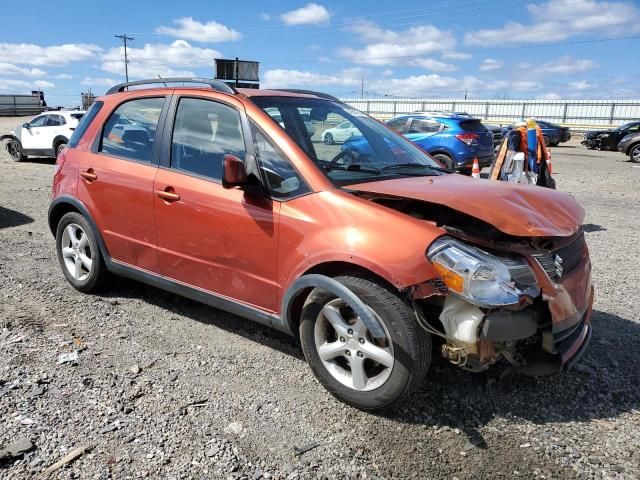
[539, 337]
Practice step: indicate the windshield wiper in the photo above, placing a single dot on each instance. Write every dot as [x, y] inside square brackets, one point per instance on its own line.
[414, 165]
[354, 167]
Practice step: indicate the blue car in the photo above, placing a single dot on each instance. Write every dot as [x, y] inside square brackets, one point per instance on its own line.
[553, 134]
[454, 139]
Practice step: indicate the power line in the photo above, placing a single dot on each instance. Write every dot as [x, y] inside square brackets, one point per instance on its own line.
[124, 39]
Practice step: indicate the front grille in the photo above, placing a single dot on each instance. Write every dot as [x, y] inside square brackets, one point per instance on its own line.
[561, 261]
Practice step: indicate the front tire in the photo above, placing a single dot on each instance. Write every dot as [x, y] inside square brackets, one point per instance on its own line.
[15, 151]
[547, 141]
[634, 153]
[357, 369]
[78, 253]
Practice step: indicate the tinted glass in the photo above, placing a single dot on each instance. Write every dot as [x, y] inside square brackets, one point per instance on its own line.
[134, 137]
[83, 124]
[419, 125]
[282, 179]
[397, 124]
[39, 121]
[77, 116]
[472, 126]
[372, 152]
[55, 121]
[204, 132]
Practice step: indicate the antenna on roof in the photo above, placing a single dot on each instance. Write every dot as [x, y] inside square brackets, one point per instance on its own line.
[162, 80]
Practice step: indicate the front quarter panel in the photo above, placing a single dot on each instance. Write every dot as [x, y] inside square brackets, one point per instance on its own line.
[335, 226]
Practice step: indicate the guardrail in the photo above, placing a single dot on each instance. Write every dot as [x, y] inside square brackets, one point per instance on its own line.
[583, 113]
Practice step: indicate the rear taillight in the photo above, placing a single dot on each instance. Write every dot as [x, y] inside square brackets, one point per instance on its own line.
[59, 161]
[467, 138]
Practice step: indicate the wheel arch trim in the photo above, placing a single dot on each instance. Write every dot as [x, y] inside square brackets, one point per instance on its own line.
[54, 216]
[58, 139]
[331, 285]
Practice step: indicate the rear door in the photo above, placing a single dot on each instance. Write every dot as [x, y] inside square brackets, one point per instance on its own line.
[477, 136]
[116, 183]
[220, 240]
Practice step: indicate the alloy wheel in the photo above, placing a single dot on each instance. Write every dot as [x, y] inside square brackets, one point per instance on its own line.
[347, 350]
[328, 139]
[76, 252]
[635, 154]
[15, 150]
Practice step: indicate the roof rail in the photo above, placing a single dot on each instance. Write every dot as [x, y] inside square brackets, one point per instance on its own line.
[307, 92]
[214, 84]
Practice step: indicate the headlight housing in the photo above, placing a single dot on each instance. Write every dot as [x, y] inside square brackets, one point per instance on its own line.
[479, 277]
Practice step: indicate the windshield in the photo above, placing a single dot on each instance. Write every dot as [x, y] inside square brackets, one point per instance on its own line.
[347, 145]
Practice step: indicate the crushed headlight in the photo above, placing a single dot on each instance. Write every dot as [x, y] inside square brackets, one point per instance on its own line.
[479, 277]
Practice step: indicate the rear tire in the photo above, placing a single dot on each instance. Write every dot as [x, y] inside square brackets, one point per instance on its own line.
[358, 378]
[59, 147]
[445, 160]
[547, 141]
[79, 254]
[634, 153]
[15, 151]
[328, 139]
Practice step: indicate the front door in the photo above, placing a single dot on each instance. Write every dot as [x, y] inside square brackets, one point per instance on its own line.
[216, 239]
[116, 182]
[32, 137]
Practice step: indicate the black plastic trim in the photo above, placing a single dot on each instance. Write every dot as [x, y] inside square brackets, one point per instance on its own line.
[326, 96]
[339, 290]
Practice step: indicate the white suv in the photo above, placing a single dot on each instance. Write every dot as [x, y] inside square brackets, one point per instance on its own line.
[44, 136]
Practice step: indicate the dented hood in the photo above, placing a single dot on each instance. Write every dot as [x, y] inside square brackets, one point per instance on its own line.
[519, 210]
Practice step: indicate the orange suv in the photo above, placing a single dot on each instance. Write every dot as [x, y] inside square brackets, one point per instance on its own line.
[229, 197]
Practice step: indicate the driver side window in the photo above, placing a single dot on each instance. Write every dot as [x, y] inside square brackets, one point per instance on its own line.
[283, 181]
[39, 121]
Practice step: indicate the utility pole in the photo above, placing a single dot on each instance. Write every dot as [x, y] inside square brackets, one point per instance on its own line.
[124, 39]
[362, 88]
[465, 94]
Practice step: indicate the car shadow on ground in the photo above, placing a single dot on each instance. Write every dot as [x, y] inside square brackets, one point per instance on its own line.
[601, 386]
[13, 218]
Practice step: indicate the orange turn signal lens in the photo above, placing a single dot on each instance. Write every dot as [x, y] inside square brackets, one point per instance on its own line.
[451, 279]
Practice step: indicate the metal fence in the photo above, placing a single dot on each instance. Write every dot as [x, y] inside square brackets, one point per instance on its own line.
[15, 105]
[569, 112]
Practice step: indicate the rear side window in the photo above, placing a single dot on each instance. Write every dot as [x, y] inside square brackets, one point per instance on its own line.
[131, 129]
[397, 125]
[84, 124]
[420, 125]
[204, 132]
[55, 121]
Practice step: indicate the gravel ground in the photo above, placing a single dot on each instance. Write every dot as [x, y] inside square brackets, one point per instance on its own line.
[167, 388]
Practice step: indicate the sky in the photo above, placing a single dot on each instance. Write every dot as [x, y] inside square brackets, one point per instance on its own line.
[512, 49]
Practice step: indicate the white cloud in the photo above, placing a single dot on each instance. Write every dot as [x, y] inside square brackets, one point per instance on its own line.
[56, 55]
[391, 48]
[265, 16]
[567, 65]
[10, 69]
[581, 85]
[490, 64]
[63, 76]
[431, 64]
[557, 20]
[549, 96]
[310, 14]
[190, 29]
[426, 85]
[17, 86]
[282, 78]
[159, 59]
[457, 56]
[99, 81]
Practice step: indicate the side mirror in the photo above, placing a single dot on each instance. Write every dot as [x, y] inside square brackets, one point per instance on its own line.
[234, 173]
[26, 125]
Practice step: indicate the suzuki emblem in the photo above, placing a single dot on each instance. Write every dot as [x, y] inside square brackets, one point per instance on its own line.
[557, 262]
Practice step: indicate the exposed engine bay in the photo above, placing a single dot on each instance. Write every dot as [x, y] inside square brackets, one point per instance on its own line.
[498, 293]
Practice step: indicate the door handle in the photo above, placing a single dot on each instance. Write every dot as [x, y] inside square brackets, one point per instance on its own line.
[168, 194]
[89, 175]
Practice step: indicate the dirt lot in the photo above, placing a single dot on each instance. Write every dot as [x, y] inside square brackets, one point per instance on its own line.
[167, 388]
